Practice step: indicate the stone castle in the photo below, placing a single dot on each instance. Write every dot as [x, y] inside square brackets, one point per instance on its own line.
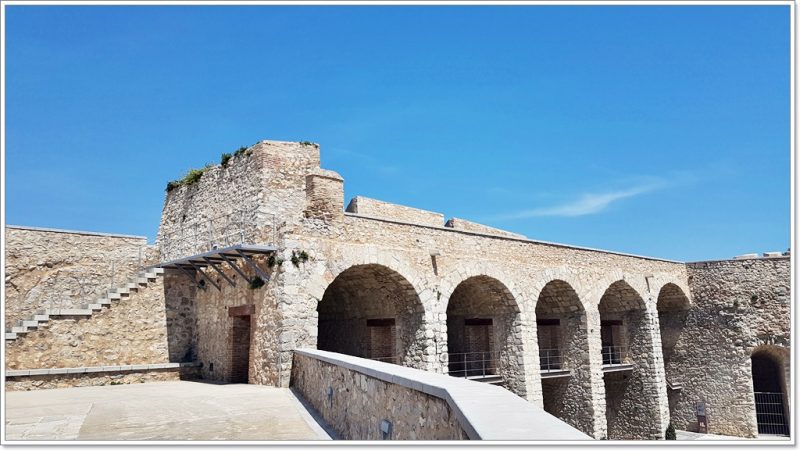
[258, 257]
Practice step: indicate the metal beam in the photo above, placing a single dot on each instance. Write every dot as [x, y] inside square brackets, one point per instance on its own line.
[194, 278]
[221, 273]
[236, 268]
[206, 277]
[252, 264]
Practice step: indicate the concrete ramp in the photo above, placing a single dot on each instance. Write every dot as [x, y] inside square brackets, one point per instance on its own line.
[365, 399]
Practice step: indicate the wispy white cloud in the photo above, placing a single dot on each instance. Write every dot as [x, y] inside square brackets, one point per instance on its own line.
[586, 204]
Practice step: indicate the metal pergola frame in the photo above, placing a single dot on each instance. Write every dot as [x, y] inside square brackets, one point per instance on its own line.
[220, 257]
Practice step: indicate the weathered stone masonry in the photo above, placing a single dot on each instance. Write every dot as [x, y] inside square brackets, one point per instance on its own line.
[389, 281]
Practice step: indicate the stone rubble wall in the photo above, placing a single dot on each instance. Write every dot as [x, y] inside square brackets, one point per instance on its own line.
[263, 188]
[55, 269]
[376, 208]
[214, 331]
[359, 403]
[131, 331]
[738, 306]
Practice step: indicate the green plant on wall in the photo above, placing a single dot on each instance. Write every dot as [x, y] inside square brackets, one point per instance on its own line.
[256, 283]
[273, 261]
[299, 257]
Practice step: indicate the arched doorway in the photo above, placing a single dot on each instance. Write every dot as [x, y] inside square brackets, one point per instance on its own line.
[483, 332]
[673, 309]
[564, 356]
[372, 312]
[632, 407]
[769, 370]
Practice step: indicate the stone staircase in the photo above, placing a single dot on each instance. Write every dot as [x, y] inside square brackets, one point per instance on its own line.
[41, 318]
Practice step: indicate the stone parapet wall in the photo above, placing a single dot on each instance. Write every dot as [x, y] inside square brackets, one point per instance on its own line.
[354, 395]
[376, 208]
[466, 225]
[354, 404]
[58, 269]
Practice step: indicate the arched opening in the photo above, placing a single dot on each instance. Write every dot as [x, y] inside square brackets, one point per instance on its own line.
[673, 309]
[372, 312]
[564, 355]
[483, 333]
[632, 409]
[769, 371]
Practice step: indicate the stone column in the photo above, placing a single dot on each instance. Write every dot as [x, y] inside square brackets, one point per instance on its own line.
[528, 357]
[658, 381]
[597, 384]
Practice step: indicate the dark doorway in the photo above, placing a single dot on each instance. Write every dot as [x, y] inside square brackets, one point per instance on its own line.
[240, 349]
[769, 395]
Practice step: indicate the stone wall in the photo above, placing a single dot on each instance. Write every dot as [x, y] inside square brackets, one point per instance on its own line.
[376, 208]
[35, 382]
[131, 331]
[247, 200]
[57, 269]
[739, 306]
[216, 343]
[466, 225]
[355, 404]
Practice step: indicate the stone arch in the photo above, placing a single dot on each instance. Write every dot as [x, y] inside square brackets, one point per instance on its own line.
[631, 376]
[484, 332]
[770, 384]
[325, 273]
[372, 311]
[564, 355]
[464, 271]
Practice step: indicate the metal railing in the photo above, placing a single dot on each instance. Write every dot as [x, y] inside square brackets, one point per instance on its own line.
[472, 364]
[550, 359]
[199, 236]
[771, 413]
[614, 355]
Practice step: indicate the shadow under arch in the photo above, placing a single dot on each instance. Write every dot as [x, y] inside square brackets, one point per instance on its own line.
[770, 375]
[673, 306]
[629, 374]
[371, 311]
[484, 338]
[564, 355]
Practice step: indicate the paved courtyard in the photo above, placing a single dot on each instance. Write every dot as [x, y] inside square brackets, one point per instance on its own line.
[179, 410]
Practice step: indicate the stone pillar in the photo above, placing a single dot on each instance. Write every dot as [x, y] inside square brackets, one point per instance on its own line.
[597, 384]
[658, 383]
[528, 357]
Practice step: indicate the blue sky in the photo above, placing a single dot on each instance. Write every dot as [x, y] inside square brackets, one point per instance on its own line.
[656, 130]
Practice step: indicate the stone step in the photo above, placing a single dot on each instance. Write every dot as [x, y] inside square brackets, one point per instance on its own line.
[92, 306]
[71, 312]
[157, 270]
[141, 280]
[122, 291]
[28, 323]
[104, 301]
[10, 336]
[113, 296]
[132, 286]
[19, 330]
[41, 317]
